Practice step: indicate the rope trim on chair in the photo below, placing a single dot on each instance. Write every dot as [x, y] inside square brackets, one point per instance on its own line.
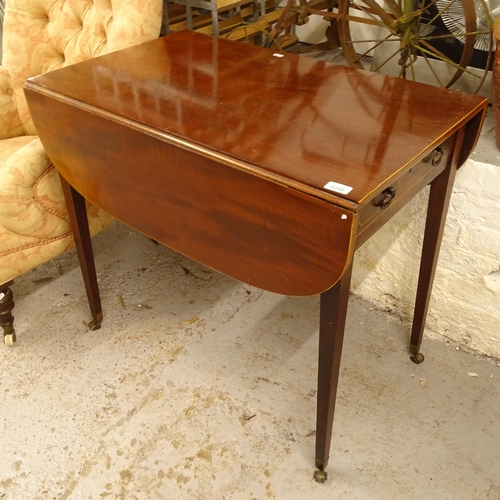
[39, 244]
[52, 211]
[49, 210]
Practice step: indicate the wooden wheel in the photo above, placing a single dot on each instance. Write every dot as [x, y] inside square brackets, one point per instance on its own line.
[411, 38]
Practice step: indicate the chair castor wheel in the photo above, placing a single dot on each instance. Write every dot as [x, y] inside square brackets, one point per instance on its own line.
[320, 476]
[417, 358]
[9, 339]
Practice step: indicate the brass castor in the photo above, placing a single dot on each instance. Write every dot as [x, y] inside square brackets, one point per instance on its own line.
[417, 358]
[320, 476]
[94, 325]
[9, 339]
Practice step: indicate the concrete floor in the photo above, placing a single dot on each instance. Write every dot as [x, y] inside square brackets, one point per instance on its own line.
[198, 387]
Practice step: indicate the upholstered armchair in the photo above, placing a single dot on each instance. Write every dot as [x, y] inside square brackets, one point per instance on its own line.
[40, 36]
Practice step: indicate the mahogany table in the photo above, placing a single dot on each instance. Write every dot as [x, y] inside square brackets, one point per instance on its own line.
[270, 168]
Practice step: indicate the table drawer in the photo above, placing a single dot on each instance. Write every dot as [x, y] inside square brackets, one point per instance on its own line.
[390, 199]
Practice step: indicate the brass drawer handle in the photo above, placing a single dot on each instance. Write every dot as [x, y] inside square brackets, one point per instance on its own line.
[438, 156]
[388, 195]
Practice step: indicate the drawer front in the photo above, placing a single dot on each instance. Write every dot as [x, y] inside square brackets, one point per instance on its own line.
[390, 199]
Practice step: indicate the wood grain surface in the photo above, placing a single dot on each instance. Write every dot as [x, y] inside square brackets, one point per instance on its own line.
[306, 120]
[258, 232]
[221, 151]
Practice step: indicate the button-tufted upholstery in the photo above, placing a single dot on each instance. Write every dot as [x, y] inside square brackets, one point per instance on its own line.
[40, 36]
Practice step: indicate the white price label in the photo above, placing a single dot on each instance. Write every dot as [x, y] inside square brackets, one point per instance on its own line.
[338, 188]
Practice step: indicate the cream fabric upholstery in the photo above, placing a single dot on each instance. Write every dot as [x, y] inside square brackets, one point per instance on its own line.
[40, 36]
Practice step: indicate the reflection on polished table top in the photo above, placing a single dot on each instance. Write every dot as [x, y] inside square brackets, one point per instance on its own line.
[268, 167]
